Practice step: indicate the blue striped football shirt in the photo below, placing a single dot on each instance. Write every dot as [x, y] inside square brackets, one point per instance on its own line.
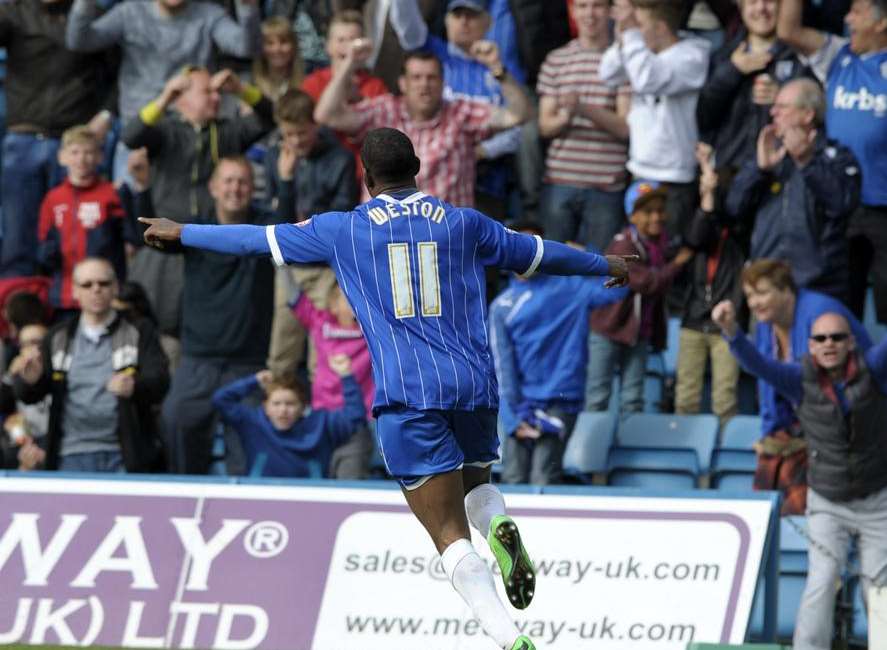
[412, 269]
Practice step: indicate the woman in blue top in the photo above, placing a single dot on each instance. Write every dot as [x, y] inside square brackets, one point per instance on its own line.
[280, 435]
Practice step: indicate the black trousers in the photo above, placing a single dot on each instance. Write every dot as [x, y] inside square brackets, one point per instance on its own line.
[867, 234]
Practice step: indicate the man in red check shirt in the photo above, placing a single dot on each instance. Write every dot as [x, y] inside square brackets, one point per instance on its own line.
[444, 133]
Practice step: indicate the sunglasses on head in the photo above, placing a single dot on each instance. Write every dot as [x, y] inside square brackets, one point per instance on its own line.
[837, 337]
[103, 284]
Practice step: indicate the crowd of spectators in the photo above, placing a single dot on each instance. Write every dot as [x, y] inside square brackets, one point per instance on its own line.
[738, 149]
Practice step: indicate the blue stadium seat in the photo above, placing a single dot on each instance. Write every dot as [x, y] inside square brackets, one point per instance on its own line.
[654, 389]
[217, 465]
[696, 432]
[741, 432]
[653, 467]
[588, 446]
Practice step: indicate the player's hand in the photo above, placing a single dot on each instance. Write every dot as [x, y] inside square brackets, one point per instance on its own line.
[340, 364]
[122, 384]
[747, 62]
[724, 316]
[487, 52]
[225, 81]
[619, 269]
[770, 150]
[161, 230]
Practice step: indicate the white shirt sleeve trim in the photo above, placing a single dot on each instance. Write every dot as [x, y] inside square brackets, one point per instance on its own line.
[276, 255]
[540, 250]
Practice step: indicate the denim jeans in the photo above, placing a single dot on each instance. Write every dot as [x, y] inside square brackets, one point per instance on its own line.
[30, 169]
[96, 461]
[585, 215]
[604, 357]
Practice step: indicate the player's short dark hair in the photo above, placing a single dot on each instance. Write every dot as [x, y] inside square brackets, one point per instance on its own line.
[388, 155]
[23, 308]
[421, 55]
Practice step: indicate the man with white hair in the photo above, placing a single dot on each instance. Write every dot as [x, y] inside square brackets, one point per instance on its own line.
[106, 374]
[842, 407]
[799, 191]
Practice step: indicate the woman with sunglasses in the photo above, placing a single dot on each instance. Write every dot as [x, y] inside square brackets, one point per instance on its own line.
[840, 395]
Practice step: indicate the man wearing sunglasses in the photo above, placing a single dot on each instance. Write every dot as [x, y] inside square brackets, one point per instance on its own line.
[841, 398]
[106, 375]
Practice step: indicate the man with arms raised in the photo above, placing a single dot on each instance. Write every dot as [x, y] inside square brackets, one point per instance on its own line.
[841, 393]
[411, 267]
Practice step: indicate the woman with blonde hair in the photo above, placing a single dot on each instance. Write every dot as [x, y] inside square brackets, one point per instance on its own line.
[280, 66]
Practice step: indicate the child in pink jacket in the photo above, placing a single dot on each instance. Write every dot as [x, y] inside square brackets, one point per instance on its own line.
[335, 331]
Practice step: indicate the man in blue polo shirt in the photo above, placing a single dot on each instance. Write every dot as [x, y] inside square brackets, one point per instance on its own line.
[854, 70]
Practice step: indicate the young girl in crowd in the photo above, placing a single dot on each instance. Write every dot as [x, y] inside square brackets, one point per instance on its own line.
[281, 437]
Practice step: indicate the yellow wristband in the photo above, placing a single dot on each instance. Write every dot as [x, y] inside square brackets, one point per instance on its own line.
[250, 94]
[151, 114]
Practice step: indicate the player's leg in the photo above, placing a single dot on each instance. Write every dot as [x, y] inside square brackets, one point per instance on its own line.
[437, 503]
[419, 448]
[475, 431]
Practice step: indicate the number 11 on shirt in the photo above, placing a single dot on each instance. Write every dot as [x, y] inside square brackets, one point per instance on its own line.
[400, 268]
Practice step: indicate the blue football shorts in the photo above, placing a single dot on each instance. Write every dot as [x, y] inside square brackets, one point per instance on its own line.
[417, 444]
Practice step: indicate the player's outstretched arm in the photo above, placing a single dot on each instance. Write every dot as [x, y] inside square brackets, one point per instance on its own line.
[234, 239]
[560, 259]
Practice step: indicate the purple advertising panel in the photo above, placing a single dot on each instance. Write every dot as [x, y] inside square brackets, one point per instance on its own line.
[165, 564]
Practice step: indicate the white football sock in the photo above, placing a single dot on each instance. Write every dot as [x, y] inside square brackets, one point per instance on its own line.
[473, 580]
[482, 504]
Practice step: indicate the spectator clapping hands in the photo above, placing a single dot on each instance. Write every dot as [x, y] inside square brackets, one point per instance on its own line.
[341, 364]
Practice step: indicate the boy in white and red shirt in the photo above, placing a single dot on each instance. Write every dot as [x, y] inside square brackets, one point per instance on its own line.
[81, 217]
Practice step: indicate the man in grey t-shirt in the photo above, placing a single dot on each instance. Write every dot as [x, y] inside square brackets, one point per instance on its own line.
[105, 374]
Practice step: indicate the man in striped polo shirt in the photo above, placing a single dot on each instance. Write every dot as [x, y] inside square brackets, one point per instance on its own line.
[585, 168]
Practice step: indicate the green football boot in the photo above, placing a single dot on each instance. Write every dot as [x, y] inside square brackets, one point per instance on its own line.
[523, 643]
[518, 573]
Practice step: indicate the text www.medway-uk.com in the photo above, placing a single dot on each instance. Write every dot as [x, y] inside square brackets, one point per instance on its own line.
[547, 631]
